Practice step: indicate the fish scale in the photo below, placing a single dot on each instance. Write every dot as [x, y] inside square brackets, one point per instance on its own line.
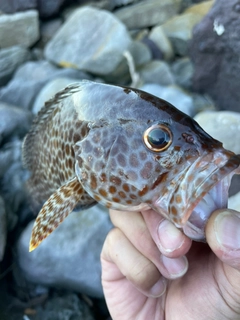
[125, 149]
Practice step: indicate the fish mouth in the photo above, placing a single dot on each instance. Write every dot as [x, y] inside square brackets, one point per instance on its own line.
[204, 189]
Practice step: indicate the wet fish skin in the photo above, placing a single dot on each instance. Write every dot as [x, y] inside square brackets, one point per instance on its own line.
[121, 147]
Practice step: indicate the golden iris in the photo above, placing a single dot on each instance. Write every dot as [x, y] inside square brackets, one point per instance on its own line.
[157, 137]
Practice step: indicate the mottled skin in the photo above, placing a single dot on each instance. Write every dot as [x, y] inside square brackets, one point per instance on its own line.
[88, 145]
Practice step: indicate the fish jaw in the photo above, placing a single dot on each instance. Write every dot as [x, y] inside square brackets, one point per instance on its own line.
[215, 198]
[202, 190]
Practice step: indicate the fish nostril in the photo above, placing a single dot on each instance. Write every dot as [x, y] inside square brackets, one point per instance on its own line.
[188, 138]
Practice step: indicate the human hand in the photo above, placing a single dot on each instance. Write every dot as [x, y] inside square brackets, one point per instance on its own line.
[151, 270]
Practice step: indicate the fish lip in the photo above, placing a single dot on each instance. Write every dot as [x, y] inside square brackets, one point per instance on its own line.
[223, 163]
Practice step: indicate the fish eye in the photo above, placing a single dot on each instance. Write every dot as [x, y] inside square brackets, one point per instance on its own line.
[157, 137]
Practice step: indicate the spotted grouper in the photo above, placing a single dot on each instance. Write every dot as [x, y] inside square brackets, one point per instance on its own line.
[127, 150]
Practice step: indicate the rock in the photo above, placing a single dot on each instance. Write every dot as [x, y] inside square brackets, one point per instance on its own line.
[156, 53]
[158, 36]
[10, 59]
[17, 5]
[30, 78]
[118, 3]
[3, 228]
[186, 4]
[21, 29]
[70, 256]
[179, 31]
[14, 178]
[139, 53]
[201, 8]
[202, 103]
[223, 126]
[49, 8]
[214, 51]
[49, 90]
[14, 121]
[9, 153]
[65, 306]
[156, 72]
[234, 202]
[182, 70]
[148, 13]
[91, 39]
[45, 8]
[48, 29]
[173, 94]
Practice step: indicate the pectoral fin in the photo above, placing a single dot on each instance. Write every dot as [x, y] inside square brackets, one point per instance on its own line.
[55, 210]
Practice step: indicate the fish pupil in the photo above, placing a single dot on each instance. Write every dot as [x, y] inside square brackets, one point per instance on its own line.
[158, 138]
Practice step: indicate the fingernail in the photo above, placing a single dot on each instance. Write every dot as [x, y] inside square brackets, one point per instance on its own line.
[227, 230]
[170, 238]
[159, 288]
[176, 267]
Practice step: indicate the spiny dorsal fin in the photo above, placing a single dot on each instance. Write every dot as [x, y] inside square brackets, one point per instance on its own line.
[45, 115]
[55, 210]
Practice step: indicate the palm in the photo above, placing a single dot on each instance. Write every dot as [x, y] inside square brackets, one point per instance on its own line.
[197, 295]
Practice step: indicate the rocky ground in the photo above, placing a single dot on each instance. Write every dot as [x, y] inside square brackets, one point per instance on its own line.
[183, 51]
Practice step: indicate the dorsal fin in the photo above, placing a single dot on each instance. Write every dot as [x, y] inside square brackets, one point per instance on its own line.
[44, 116]
[55, 210]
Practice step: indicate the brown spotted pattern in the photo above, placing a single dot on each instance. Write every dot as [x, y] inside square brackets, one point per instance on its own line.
[52, 161]
[87, 145]
[55, 210]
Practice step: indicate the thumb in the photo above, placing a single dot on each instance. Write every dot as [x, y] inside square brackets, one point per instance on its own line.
[223, 236]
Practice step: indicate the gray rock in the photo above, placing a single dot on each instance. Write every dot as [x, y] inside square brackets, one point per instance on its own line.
[49, 90]
[19, 29]
[70, 256]
[9, 153]
[14, 121]
[140, 53]
[45, 8]
[91, 39]
[3, 228]
[66, 306]
[173, 94]
[156, 72]
[201, 8]
[30, 78]
[49, 8]
[118, 3]
[14, 178]
[179, 31]
[17, 5]
[48, 29]
[158, 36]
[182, 70]
[148, 13]
[186, 4]
[234, 202]
[223, 126]
[215, 51]
[203, 102]
[10, 59]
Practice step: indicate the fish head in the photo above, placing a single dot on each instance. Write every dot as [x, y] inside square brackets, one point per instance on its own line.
[198, 180]
[154, 156]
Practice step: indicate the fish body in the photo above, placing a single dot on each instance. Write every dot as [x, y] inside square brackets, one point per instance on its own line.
[127, 150]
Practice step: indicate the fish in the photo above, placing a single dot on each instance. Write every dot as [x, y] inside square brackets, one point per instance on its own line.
[127, 150]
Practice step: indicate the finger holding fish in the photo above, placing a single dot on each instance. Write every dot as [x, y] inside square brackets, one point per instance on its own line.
[146, 232]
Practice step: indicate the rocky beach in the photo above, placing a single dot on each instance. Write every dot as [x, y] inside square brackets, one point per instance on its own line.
[183, 51]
